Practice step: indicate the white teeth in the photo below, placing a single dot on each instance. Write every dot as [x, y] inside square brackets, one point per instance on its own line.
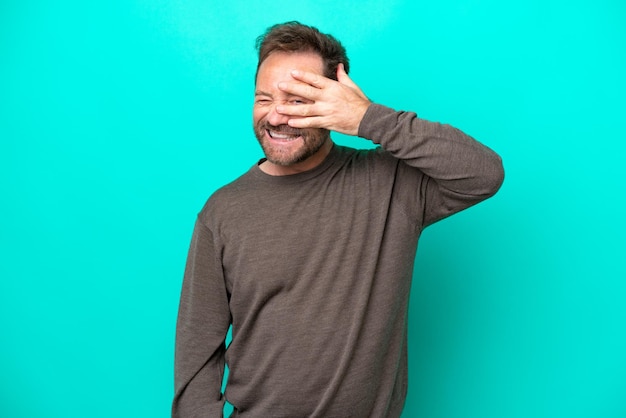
[277, 135]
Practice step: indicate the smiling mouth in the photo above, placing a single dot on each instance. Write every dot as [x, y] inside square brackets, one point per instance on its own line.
[282, 136]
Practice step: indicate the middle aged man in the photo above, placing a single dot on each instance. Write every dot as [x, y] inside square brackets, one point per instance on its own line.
[309, 254]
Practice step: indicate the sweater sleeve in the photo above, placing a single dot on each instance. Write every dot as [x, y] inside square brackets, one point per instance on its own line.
[456, 171]
[203, 321]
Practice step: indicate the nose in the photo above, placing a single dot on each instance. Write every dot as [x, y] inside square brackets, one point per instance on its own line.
[275, 118]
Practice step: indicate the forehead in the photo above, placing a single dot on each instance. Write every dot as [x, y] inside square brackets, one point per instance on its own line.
[278, 65]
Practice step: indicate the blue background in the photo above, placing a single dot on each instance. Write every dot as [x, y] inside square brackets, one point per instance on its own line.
[119, 118]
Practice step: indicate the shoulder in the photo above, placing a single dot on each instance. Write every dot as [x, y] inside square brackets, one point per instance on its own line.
[367, 159]
[228, 198]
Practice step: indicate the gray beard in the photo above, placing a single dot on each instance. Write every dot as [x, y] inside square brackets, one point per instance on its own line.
[313, 140]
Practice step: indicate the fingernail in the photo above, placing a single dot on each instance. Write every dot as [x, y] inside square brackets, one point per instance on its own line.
[282, 85]
[295, 72]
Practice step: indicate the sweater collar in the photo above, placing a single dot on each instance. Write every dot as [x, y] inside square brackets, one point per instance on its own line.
[298, 177]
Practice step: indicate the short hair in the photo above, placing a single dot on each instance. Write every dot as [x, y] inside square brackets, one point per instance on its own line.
[295, 37]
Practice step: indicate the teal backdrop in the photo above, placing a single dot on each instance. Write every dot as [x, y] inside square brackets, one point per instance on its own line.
[119, 118]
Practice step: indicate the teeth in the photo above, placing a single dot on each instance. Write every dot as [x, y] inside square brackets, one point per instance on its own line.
[277, 135]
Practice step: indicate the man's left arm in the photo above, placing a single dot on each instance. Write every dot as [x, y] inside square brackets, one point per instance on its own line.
[459, 170]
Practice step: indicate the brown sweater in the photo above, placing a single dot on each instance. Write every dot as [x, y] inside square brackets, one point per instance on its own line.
[313, 271]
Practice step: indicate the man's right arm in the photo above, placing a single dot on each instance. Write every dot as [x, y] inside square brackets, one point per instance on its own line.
[203, 321]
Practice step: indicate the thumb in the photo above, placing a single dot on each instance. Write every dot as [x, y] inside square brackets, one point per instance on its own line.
[342, 76]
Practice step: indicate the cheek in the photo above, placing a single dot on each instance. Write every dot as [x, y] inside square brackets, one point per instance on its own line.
[258, 115]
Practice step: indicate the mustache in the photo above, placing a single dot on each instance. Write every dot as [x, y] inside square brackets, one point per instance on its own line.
[282, 129]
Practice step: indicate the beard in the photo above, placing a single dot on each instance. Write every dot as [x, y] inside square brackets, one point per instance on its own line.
[312, 141]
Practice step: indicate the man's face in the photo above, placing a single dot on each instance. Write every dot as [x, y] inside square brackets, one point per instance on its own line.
[282, 144]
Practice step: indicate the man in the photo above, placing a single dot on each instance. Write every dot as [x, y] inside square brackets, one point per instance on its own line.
[309, 255]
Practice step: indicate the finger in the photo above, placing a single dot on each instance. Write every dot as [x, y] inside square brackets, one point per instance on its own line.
[313, 79]
[296, 110]
[310, 122]
[304, 90]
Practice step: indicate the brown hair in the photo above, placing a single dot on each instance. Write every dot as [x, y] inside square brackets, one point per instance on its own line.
[296, 37]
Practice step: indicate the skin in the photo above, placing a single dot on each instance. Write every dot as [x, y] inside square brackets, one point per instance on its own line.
[295, 107]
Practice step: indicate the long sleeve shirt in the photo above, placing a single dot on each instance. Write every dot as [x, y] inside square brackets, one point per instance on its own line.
[313, 272]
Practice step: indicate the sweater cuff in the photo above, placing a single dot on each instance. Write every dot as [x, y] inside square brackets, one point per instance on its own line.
[370, 125]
